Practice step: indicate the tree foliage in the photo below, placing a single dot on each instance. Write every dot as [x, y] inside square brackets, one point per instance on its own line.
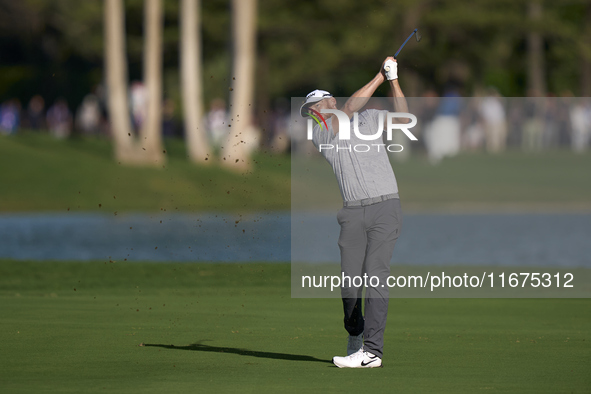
[55, 46]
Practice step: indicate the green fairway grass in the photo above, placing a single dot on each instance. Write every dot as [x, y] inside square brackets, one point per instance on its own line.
[513, 181]
[40, 173]
[77, 327]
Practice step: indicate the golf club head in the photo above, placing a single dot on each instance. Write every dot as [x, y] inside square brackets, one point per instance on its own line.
[417, 36]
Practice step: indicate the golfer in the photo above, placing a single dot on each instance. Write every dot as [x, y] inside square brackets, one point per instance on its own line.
[371, 216]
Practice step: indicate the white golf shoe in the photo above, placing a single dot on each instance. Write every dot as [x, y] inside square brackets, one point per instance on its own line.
[359, 359]
[354, 344]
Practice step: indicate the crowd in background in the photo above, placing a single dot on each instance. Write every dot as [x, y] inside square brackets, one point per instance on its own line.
[90, 117]
[446, 125]
[56, 118]
[491, 123]
[449, 124]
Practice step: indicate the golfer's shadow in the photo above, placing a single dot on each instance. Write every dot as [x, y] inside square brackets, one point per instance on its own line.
[199, 347]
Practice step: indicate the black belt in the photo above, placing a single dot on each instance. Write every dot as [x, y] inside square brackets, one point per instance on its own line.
[370, 201]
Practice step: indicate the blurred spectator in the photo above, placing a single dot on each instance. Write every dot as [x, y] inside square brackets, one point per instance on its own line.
[550, 131]
[494, 122]
[88, 116]
[580, 117]
[10, 116]
[533, 126]
[36, 113]
[515, 121]
[280, 138]
[217, 122]
[59, 119]
[101, 95]
[442, 137]
[168, 123]
[138, 101]
[473, 137]
[298, 135]
[425, 109]
[563, 118]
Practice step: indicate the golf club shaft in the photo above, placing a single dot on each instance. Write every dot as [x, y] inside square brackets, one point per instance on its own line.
[404, 43]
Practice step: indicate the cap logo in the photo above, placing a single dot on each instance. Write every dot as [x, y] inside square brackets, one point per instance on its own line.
[318, 92]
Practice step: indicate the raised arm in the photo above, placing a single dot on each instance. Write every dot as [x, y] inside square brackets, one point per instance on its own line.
[360, 97]
[358, 100]
[399, 101]
[400, 104]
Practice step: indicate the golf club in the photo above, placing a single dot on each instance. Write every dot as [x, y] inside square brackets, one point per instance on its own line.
[418, 37]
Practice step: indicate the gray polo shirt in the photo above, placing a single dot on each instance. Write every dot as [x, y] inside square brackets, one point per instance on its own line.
[360, 174]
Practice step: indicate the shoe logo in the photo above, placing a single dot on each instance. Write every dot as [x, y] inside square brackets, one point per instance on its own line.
[363, 364]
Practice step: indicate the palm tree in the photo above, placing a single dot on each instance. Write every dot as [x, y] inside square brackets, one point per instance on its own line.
[585, 49]
[242, 138]
[128, 150]
[197, 144]
[151, 133]
[116, 75]
[535, 43]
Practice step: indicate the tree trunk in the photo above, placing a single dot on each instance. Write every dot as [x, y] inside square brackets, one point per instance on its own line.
[263, 101]
[191, 83]
[151, 133]
[535, 44]
[586, 56]
[585, 75]
[242, 138]
[116, 76]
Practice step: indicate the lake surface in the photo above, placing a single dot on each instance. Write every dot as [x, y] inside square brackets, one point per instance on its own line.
[562, 240]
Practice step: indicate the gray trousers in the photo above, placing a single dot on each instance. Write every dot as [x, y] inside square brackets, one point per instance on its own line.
[367, 239]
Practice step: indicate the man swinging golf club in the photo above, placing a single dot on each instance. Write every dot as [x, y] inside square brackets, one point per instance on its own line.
[371, 216]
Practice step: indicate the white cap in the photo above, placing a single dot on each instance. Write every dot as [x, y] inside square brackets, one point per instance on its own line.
[314, 97]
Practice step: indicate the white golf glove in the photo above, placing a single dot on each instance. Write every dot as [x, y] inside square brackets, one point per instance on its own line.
[391, 69]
